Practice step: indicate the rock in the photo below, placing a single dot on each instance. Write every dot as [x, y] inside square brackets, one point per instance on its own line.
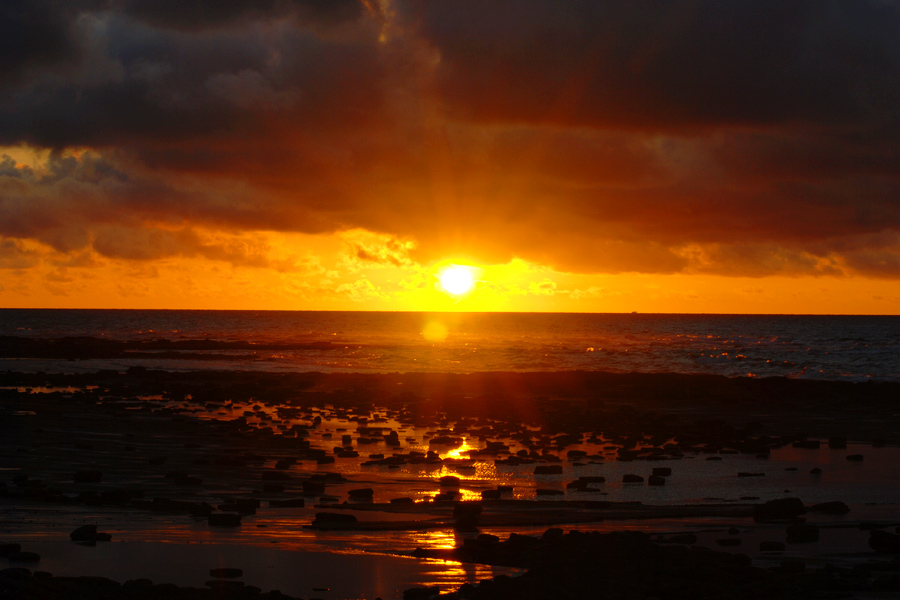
[782, 508]
[830, 508]
[137, 588]
[592, 479]
[361, 494]
[490, 494]
[548, 492]
[815, 471]
[662, 471]
[85, 533]
[421, 593]
[449, 481]
[802, 533]
[748, 474]
[7, 549]
[224, 519]
[225, 573]
[656, 480]
[290, 503]
[855, 457]
[884, 542]
[631, 478]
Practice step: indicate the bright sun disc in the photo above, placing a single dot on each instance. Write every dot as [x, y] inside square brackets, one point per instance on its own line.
[456, 280]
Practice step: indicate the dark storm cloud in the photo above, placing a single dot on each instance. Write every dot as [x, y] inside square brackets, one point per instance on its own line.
[654, 65]
[203, 14]
[139, 84]
[727, 136]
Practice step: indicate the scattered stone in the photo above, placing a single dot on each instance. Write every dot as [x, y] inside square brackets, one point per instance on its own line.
[830, 508]
[289, 503]
[85, 533]
[361, 494]
[782, 508]
[884, 542]
[421, 593]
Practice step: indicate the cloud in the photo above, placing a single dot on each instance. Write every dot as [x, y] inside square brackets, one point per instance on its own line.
[646, 65]
[361, 290]
[728, 137]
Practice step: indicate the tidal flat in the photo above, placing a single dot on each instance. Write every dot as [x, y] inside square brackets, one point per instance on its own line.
[467, 485]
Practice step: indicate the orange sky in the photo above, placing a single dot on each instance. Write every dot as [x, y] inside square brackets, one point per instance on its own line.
[599, 156]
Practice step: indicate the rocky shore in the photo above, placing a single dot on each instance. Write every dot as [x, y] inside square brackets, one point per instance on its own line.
[247, 456]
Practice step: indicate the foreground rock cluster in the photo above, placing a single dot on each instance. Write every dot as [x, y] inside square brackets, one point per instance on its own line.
[563, 566]
[214, 448]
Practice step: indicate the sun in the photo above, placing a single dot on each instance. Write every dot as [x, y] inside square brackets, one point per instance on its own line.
[456, 280]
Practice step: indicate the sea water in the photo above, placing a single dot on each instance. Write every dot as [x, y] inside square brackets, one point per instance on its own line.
[805, 346]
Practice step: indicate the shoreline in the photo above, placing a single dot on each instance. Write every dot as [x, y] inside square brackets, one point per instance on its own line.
[147, 455]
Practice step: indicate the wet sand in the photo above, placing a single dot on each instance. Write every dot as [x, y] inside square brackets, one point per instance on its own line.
[155, 458]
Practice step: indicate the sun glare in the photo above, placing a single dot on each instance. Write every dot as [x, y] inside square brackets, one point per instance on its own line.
[456, 280]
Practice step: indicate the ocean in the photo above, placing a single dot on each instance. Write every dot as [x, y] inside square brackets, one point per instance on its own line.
[854, 348]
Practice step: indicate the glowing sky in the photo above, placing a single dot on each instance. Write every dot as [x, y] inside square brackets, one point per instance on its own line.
[683, 156]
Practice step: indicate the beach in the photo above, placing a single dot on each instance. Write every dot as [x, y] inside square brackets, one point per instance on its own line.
[350, 485]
